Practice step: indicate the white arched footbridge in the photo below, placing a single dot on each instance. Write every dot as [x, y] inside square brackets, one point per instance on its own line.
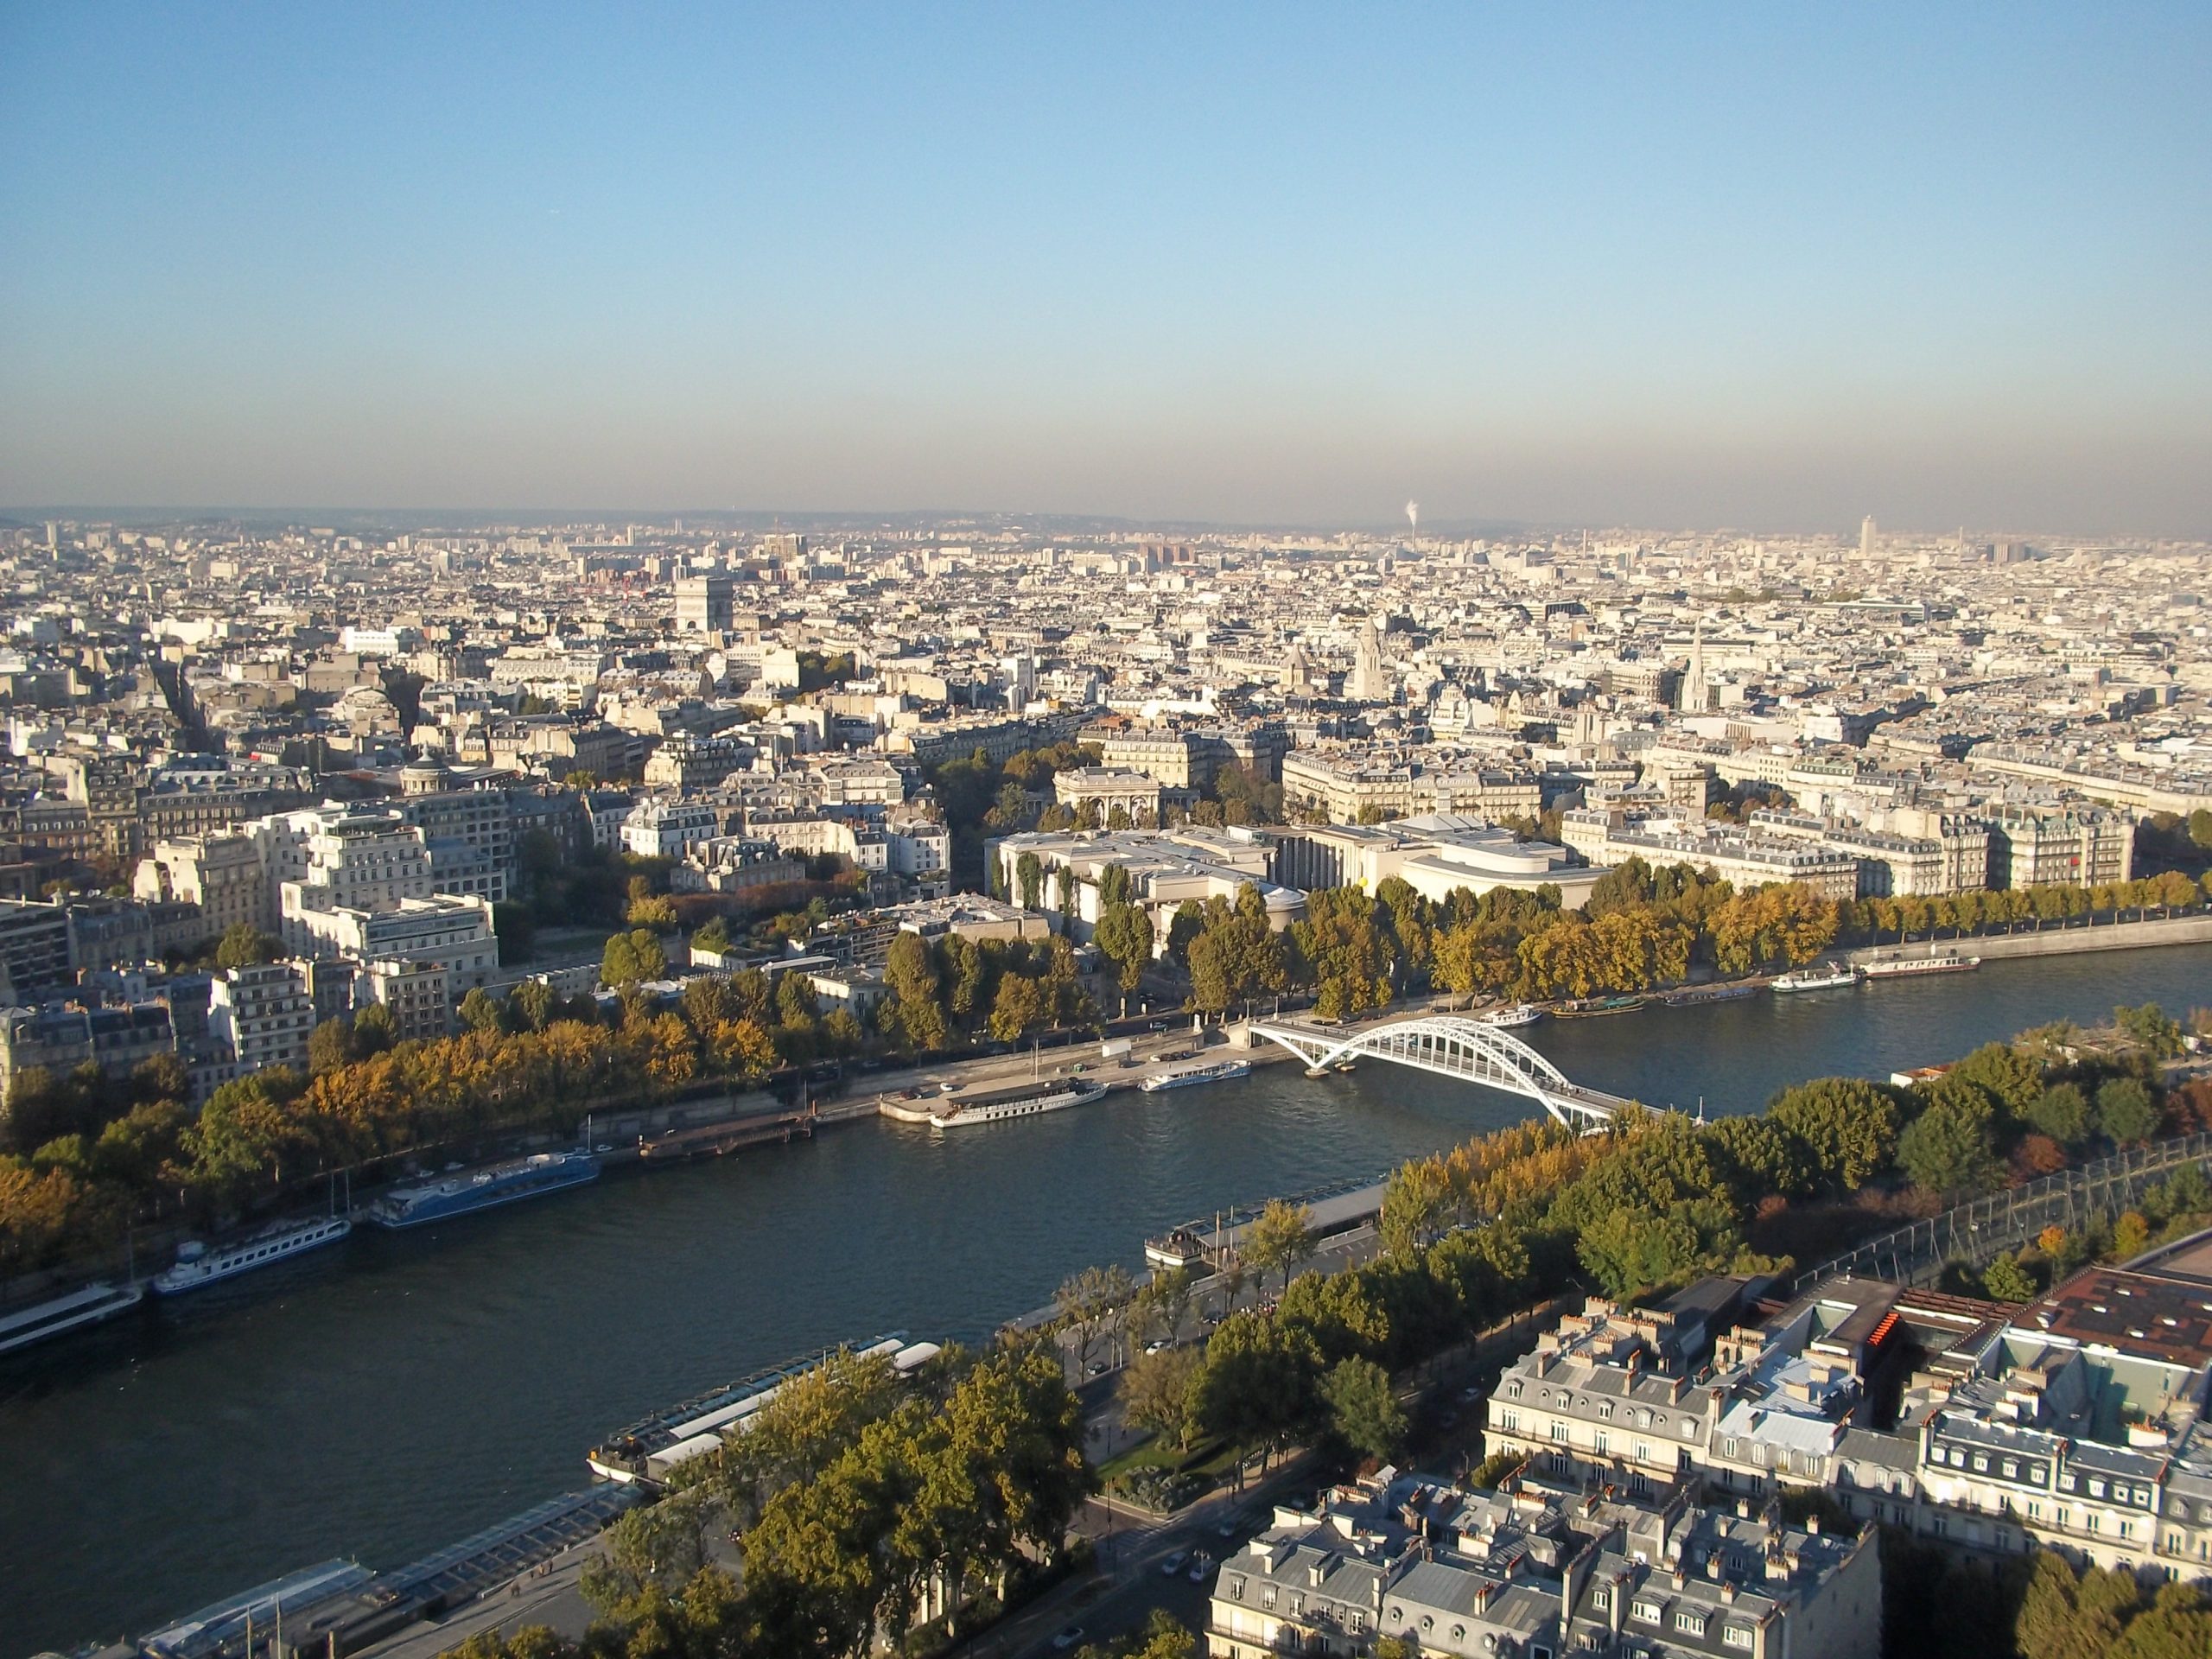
[1451, 1047]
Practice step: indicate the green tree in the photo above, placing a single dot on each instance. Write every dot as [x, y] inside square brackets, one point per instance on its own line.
[1156, 1391]
[479, 1011]
[1258, 1384]
[1279, 1237]
[1418, 1203]
[1848, 1126]
[2151, 1029]
[711, 936]
[1123, 935]
[2066, 1616]
[330, 1046]
[2006, 1281]
[1631, 1251]
[2062, 1112]
[1019, 1008]
[652, 911]
[632, 957]
[2013, 1080]
[374, 1032]
[1951, 1148]
[1760, 1157]
[244, 945]
[2126, 1112]
[660, 1544]
[1364, 1413]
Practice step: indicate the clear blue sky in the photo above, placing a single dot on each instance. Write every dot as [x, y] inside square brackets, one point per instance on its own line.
[1762, 266]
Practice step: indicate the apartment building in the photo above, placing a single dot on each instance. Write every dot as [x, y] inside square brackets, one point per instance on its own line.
[2086, 849]
[418, 995]
[59, 1038]
[35, 949]
[1747, 857]
[221, 873]
[261, 1016]
[691, 765]
[664, 828]
[2076, 1424]
[1539, 1569]
[455, 933]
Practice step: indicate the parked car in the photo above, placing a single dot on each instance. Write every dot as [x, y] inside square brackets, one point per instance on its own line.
[1063, 1640]
[1172, 1565]
[1158, 1345]
[1201, 1564]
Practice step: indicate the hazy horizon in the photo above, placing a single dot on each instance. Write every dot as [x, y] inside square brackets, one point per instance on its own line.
[1251, 268]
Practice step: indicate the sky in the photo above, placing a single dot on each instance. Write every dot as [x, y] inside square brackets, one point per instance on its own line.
[1757, 266]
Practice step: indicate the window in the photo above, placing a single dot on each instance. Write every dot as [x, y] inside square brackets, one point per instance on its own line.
[1559, 1431]
[1649, 1611]
[1736, 1636]
[1509, 1421]
[1689, 1621]
[1603, 1443]
[1601, 1598]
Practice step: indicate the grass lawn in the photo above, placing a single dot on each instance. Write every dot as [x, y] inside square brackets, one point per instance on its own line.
[1213, 1459]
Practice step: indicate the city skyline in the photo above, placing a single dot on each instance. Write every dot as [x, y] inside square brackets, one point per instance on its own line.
[1713, 271]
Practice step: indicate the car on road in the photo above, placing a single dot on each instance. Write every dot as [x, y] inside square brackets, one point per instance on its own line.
[1232, 1524]
[1201, 1564]
[1470, 1395]
[1063, 1640]
[1098, 1368]
[1172, 1565]
[1158, 1345]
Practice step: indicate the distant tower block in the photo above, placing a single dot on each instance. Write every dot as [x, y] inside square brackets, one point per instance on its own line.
[1866, 536]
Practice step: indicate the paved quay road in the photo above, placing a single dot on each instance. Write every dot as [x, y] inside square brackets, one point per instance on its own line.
[387, 1397]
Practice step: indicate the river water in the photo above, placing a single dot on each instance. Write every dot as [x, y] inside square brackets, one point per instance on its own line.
[396, 1393]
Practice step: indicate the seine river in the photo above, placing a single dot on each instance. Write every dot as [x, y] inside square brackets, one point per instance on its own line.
[395, 1394]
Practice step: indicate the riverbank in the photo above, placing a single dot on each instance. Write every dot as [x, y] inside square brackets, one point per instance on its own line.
[2059, 941]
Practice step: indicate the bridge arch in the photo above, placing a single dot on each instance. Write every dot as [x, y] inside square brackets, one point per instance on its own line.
[1453, 1047]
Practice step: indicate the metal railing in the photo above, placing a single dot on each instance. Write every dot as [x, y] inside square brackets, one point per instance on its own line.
[2004, 1221]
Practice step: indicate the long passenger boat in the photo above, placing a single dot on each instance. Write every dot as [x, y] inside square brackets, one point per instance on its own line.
[1030, 1100]
[647, 1449]
[472, 1190]
[198, 1265]
[89, 1306]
